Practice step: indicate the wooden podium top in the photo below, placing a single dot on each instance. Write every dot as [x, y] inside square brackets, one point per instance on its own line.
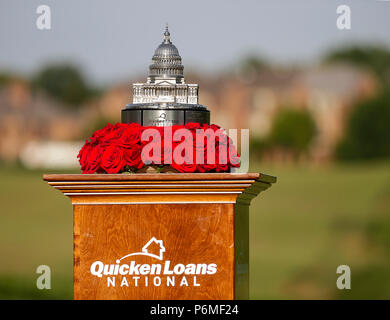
[160, 188]
[160, 176]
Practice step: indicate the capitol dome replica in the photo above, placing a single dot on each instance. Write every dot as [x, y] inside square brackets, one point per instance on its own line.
[165, 99]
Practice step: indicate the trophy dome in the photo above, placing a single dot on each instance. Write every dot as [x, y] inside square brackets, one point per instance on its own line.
[166, 61]
[166, 50]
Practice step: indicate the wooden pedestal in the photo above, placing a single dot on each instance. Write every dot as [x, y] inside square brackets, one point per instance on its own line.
[161, 236]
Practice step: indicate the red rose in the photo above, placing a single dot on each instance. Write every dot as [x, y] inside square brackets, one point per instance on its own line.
[183, 156]
[131, 135]
[114, 134]
[94, 159]
[222, 168]
[184, 167]
[98, 135]
[83, 153]
[132, 156]
[206, 167]
[210, 162]
[112, 159]
[89, 157]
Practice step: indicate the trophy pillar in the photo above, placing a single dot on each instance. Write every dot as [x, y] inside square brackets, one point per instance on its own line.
[161, 236]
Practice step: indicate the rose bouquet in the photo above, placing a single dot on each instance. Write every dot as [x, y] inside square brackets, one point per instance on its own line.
[131, 148]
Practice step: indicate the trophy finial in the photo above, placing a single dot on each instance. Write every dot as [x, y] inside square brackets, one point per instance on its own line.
[167, 35]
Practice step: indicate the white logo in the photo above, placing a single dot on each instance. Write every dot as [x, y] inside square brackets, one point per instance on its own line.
[155, 274]
[145, 250]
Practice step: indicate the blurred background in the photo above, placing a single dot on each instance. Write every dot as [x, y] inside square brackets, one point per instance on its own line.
[316, 100]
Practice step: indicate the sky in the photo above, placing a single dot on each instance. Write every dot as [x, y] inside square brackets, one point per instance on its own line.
[113, 40]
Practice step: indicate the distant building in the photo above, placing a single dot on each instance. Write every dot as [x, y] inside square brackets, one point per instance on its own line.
[327, 92]
[27, 116]
[330, 92]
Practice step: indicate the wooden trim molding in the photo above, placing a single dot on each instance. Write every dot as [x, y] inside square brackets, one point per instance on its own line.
[169, 188]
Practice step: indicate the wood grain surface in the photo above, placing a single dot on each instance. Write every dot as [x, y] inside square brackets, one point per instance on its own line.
[191, 234]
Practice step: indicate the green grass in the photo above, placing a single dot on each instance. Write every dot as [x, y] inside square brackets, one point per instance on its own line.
[313, 220]
[35, 229]
[301, 229]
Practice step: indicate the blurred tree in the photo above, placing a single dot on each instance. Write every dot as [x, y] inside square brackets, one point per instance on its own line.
[63, 82]
[293, 130]
[250, 67]
[253, 64]
[368, 130]
[257, 147]
[4, 78]
[374, 58]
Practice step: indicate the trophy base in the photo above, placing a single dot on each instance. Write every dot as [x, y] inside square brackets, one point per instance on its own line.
[165, 114]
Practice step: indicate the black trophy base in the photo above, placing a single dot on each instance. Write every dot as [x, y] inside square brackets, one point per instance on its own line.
[165, 114]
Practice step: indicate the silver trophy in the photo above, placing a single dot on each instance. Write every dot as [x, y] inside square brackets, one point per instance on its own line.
[165, 99]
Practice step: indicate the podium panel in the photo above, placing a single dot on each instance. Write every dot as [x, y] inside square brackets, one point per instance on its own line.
[161, 236]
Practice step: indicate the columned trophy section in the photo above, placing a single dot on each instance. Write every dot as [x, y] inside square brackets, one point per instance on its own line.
[161, 236]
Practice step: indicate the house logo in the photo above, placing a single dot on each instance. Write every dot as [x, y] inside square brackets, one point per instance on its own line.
[128, 269]
[145, 250]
